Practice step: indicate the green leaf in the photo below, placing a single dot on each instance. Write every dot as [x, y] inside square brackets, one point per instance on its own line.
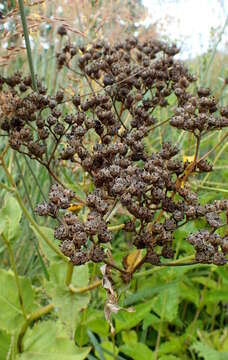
[147, 293]
[207, 352]
[5, 341]
[166, 303]
[45, 342]
[129, 337]
[169, 357]
[151, 320]
[214, 296]
[10, 216]
[11, 316]
[137, 352]
[109, 355]
[205, 281]
[189, 293]
[173, 346]
[96, 322]
[48, 252]
[125, 320]
[68, 304]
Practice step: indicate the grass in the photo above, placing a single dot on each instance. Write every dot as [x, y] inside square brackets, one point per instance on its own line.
[180, 312]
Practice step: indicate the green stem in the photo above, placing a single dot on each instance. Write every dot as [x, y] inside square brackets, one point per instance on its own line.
[32, 317]
[27, 42]
[182, 261]
[70, 270]
[13, 264]
[116, 227]
[7, 188]
[85, 289]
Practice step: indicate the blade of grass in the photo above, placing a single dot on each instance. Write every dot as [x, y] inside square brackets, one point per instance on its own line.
[27, 42]
[96, 344]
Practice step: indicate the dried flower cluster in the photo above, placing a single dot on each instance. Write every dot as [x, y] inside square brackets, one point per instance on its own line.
[105, 134]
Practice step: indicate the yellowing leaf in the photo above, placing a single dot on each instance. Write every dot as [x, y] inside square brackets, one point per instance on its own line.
[132, 260]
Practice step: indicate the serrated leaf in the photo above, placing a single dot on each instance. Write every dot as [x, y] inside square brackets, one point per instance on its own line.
[207, 352]
[173, 346]
[11, 317]
[45, 342]
[10, 216]
[137, 352]
[68, 304]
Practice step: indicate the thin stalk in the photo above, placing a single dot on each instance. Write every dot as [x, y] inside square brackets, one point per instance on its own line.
[34, 177]
[85, 289]
[210, 188]
[27, 42]
[13, 264]
[214, 162]
[214, 148]
[182, 262]
[116, 227]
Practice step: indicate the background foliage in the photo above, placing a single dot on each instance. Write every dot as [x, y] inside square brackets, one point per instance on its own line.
[180, 312]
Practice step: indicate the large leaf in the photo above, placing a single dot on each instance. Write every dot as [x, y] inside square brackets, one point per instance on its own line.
[125, 320]
[68, 304]
[207, 352]
[5, 341]
[46, 342]
[11, 316]
[10, 215]
[138, 351]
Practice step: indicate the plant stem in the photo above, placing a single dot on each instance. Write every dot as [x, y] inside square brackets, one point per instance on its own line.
[27, 42]
[85, 289]
[70, 270]
[13, 264]
[32, 317]
[116, 227]
[179, 262]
